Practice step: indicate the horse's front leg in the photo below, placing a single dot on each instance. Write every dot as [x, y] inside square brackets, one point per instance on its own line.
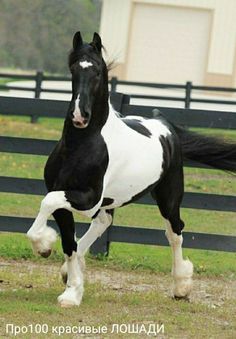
[42, 236]
[73, 268]
[53, 203]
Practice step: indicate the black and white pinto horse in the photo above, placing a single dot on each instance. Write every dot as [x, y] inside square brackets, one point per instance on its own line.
[104, 161]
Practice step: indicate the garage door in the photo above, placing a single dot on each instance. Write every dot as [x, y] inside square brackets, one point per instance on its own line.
[168, 44]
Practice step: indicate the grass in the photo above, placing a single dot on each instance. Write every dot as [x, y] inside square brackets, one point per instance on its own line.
[197, 180]
[129, 257]
[114, 300]
[139, 275]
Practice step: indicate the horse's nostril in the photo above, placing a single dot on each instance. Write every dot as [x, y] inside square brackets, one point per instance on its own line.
[86, 115]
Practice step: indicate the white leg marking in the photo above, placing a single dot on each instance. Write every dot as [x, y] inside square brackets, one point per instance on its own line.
[73, 293]
[42, 236]
[64, 267]
[182, 270]
[96, 229]
[73, 268]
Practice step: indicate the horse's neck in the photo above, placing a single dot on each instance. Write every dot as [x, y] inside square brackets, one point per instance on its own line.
[73, 137]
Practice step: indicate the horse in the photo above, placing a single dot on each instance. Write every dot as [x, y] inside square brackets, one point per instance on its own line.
[104, 161]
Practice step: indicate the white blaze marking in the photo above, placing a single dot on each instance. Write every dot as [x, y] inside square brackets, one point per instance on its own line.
[77, 113]
[85, 64]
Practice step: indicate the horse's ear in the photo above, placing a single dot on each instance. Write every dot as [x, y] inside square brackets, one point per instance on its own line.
[97, 42]
[77, 40]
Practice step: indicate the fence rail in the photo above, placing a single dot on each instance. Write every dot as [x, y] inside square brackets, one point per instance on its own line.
[53, 108]
[187, 97]
[58, 109]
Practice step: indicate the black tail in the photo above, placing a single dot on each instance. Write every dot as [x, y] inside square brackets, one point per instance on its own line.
[211, 151]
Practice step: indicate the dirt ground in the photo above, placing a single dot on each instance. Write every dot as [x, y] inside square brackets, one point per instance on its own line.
[206, 289]
[213, 292]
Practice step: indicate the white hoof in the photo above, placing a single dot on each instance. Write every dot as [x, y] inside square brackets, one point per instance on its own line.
[71, 297]
[42, 241]
[183, 280]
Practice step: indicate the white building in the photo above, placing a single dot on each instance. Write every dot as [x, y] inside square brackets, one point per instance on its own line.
[172, 41]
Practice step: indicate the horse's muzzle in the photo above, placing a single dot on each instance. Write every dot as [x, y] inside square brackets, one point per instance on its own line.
[80, 122]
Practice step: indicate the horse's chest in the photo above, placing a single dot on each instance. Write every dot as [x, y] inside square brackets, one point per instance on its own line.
[83, 168]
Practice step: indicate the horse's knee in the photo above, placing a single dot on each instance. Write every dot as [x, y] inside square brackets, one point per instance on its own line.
[173, 238]
[100, 224]
[69, 246]
[54, 200]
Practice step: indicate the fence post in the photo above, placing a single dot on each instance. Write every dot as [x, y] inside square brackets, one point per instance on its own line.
[101, 245]
[188, 94]
[114, 82]
[118, 100]
[38, 87]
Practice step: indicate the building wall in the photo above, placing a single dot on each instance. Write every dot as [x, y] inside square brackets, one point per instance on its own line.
[118, 23]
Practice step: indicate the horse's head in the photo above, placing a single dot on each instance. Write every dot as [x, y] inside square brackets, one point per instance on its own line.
[88, 75]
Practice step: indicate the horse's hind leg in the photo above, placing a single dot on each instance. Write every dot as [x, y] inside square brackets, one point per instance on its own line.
[182, 270]
[168, 195]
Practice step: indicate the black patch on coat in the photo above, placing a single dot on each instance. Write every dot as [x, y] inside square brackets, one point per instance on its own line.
[137, 126]
[107, 201]
[167, 152]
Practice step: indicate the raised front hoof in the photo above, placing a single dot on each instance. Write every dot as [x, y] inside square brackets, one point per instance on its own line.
[45, 254]
[42, 241]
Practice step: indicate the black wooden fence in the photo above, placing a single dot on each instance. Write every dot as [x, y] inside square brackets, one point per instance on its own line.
[186, 88]
[186, 117]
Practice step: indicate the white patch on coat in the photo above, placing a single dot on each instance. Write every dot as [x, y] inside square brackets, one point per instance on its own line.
[182, 270]
[85, 64]
[135, 161]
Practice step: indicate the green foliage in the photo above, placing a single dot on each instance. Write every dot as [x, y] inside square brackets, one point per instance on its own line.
[37, 34]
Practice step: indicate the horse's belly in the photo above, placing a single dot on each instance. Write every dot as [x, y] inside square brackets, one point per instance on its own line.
[135, 160]
[131, 175]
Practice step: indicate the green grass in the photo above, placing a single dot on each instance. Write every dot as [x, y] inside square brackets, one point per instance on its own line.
[197, 180]
[227, 135]
[29, 285]
[129, 257]
[29, 297]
